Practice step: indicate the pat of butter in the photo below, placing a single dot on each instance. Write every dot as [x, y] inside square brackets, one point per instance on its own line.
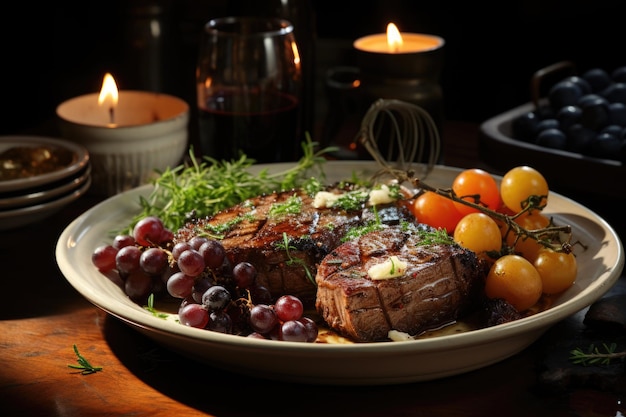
[391, 268]
[381, 195]
[398, 336]
[325, 199]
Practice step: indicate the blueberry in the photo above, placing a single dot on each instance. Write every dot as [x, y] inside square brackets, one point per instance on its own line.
[595, 111]
[598, 79]
[605, 145]
[617, 114]
[619, 74]
[552, 138]
[568, 115]
[615, 130]
[547, 124]
[615, 93]
[524, 127]
[564, 93]
[579, 137]
[580, 82]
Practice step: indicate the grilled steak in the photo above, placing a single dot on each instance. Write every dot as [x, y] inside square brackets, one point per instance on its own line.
[440, 283]
[255, 231]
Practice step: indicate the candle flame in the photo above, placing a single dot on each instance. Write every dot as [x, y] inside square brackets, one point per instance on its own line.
[296, 54]
[108, 93]
[394, 38]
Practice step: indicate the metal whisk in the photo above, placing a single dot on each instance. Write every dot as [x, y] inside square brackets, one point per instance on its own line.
[406, 131]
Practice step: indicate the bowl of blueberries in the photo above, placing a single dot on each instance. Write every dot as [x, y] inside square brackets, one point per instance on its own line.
[573, 130]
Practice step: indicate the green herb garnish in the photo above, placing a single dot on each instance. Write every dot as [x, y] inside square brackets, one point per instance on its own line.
[293, 205]
[434, 237]
[154, 311]
[284, 245]
[359, 231]
[83, 364]
[352, 200]
[200, 188]
[595, 356]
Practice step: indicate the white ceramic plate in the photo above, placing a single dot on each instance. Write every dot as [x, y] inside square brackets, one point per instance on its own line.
[79, 162]
[355, 364]
[15, 218]
[45, 193]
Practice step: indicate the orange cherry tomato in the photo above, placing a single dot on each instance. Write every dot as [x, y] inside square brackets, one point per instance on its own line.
[437, 211]
[476, 186]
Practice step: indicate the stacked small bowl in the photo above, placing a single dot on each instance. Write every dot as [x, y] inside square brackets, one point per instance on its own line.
[38, 177]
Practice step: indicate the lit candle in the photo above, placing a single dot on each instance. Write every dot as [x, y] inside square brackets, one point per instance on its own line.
[399, 55]
[129, 134]
[394, 42]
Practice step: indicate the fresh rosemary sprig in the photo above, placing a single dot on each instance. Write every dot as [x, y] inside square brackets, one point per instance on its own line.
[595, 356]
[83, 364]
[200, 188]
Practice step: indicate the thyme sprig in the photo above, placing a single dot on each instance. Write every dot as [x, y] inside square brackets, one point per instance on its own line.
[202, 187]
[84, 366]
[595, 356]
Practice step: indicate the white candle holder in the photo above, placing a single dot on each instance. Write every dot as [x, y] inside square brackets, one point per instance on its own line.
[144, 133]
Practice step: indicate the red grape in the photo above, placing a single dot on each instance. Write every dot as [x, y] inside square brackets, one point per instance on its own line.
[213, 253]
[127, 259]
[180, 285]
[148, 231]
[193, 315]
[293, 331]
[191, 262]
[103, 257]
[288, 307]
[153, 261]
[263, 318]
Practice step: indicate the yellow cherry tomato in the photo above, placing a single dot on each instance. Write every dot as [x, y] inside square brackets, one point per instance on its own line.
[558, 270]
[520, 183]
[516, 280]
[528, 247]
[479, 233]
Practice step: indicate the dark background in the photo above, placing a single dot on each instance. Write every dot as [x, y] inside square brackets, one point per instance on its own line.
[58, 50]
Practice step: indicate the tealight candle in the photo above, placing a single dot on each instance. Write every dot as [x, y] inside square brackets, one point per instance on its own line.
[396, 54]
[394, 42]
[129, 134]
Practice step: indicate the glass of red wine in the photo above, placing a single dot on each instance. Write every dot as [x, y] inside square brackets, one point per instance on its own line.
[249, 88]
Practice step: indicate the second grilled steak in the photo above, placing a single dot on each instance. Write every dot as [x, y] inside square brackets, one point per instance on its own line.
[441, 283]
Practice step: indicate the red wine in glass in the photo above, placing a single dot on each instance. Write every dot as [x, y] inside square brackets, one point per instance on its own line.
[261, 125]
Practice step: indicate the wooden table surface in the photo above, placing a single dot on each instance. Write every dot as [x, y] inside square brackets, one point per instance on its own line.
[42, 317]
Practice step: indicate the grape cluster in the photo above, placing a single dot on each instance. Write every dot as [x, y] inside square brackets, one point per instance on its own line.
[584, 114]
[213, 294]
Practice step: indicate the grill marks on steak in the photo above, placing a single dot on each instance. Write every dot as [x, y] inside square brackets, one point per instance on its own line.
[254, 235]
[441, 284]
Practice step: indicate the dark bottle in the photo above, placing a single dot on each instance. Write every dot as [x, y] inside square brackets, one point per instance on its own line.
[150, 47]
